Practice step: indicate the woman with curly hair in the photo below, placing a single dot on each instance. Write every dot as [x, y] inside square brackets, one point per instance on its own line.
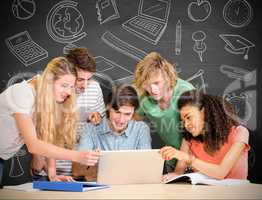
[214, 143]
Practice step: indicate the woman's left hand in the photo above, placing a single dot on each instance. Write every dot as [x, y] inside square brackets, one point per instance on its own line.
[168, 152]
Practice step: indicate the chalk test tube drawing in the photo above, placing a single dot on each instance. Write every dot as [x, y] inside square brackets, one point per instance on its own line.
[64, 23]
[25, 49]
[16, 169]
[198, 80]
[240, 103]
[236, 72]
[237, 44]
[123, 47]
[23, 9]
[178, 43]
[106, 10]
[237, 13]
[151, 21]
[199, 10]
[243, 95]
[199, 46]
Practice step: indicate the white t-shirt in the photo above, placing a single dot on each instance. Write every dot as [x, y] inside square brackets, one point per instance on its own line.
[18, 98]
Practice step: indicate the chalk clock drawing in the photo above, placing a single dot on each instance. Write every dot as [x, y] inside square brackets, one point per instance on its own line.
[237, 13]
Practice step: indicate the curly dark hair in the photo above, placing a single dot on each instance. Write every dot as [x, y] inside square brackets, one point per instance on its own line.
[82, 59]
[218, 115]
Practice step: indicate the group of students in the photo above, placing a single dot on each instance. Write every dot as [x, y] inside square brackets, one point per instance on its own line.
[60, 116]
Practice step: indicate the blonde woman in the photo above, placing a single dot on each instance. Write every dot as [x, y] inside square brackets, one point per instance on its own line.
[40, 113]
[159, 89]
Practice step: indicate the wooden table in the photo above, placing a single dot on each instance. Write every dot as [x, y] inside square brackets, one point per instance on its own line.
[147, 191]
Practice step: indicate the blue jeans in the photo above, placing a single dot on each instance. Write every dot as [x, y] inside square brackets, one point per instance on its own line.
[1, 171]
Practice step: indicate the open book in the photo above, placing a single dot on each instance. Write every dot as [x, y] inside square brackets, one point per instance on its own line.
[198, 178]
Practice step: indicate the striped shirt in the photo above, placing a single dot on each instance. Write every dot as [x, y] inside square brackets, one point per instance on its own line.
[91, 100]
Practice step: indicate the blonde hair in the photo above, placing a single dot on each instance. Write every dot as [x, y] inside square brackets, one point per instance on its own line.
[150, 66]
[55, 122]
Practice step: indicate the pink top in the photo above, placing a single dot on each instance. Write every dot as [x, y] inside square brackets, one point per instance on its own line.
[237, 134]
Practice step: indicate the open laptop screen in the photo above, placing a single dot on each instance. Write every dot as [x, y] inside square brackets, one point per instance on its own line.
[157, 9]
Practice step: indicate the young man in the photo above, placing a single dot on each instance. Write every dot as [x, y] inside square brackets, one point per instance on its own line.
[118, 131]
[89, 94]
[159, 88]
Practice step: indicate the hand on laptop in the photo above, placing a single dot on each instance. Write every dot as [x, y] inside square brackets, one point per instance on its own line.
[89, 158]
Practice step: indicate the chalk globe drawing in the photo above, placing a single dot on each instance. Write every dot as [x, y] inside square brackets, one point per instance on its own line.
[65, 23]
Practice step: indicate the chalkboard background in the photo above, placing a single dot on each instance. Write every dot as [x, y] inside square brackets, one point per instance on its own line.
[215, 44]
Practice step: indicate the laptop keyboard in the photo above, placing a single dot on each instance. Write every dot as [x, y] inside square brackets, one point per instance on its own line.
[147, 25]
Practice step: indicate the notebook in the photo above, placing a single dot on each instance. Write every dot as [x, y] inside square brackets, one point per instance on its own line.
[197, 178]
[130, 167]
[151, 20]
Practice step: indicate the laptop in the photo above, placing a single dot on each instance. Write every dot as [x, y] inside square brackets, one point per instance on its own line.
[151, 21]
[130, 167]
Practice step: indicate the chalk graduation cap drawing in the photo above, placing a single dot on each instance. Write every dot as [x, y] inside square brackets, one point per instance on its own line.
[237, 44]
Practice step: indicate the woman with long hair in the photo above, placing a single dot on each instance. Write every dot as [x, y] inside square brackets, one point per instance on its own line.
[41, 114]
[214, 143]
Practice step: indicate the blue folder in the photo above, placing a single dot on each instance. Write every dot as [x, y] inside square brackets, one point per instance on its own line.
[67, 186]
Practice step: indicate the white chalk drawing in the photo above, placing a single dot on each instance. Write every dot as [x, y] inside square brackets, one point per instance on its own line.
[106, 11]
[25, 49]
[178, 43]
[64, 23]
[237, 13]
[199, 10]
[241, 105]
[20, 76]
[23, 9]
[107, 69]
[198, 80]
[237, 44]
[151, 21]
[126, 80]
[123, 47]
[243, 95]
[16, 169]
[199, 46]
[68, 47]
[236, 72]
